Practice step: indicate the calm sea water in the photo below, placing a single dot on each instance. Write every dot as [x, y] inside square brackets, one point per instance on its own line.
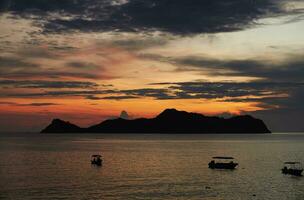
[36, 166]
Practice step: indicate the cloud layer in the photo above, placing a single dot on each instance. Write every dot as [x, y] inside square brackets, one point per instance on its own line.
[291, 69]
[45, 84]
[173, 16]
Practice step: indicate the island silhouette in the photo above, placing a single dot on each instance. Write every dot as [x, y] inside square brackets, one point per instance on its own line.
[169, 121]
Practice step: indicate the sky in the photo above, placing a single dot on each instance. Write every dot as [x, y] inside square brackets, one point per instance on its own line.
[85, 61]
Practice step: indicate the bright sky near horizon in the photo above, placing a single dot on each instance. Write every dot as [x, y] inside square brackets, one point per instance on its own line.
[86, 60]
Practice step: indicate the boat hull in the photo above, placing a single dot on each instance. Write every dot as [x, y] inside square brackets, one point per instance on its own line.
[295, 172]
[98, 163]
[222, 165]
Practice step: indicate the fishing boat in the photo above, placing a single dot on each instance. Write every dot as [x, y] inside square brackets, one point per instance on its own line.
[222, 162]
[292, 168]
[96, 160]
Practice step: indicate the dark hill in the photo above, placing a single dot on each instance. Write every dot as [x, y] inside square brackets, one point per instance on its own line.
[169, 121]
[59, 126]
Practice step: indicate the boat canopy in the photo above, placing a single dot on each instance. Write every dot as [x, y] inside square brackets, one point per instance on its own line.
[222, 157]
[291, 163]
[96, 155]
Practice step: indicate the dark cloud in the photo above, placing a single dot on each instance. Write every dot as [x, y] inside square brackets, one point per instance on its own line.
[290, 69]
[20, 67]
[40, 104]
[91, 94]
[38, 53]
[59, 93]
[30, 104]
[12, 62]
[83, 65]
[174, 16]
[63, 48]
[123, 97]
[46, 84]
[83, 93]
[217, 90]
[135, 44]
[52, 73]
[149, 92]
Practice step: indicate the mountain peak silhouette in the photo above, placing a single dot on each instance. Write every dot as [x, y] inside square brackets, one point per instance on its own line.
[173, 114]
[60, 126]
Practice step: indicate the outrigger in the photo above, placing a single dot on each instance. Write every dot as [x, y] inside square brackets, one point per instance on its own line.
[96, 160]
[292, 168]
[222, 162]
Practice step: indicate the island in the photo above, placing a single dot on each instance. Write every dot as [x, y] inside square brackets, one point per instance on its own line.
[170, 121]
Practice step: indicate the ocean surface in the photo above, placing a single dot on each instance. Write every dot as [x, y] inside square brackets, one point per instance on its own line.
[40, 166]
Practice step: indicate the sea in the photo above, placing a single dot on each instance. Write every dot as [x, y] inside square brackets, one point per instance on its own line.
[148, 166]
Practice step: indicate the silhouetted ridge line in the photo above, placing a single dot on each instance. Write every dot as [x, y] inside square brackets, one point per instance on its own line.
[169, 121]
[60, 126]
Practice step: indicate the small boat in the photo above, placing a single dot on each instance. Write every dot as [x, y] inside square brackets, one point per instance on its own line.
[292, 168]
[96, 160]
[222, 162]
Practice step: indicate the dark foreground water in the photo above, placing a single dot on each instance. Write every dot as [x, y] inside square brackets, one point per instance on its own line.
[35, 166]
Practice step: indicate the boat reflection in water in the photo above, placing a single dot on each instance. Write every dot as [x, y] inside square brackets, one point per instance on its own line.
[292, 168]
[222, 162]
